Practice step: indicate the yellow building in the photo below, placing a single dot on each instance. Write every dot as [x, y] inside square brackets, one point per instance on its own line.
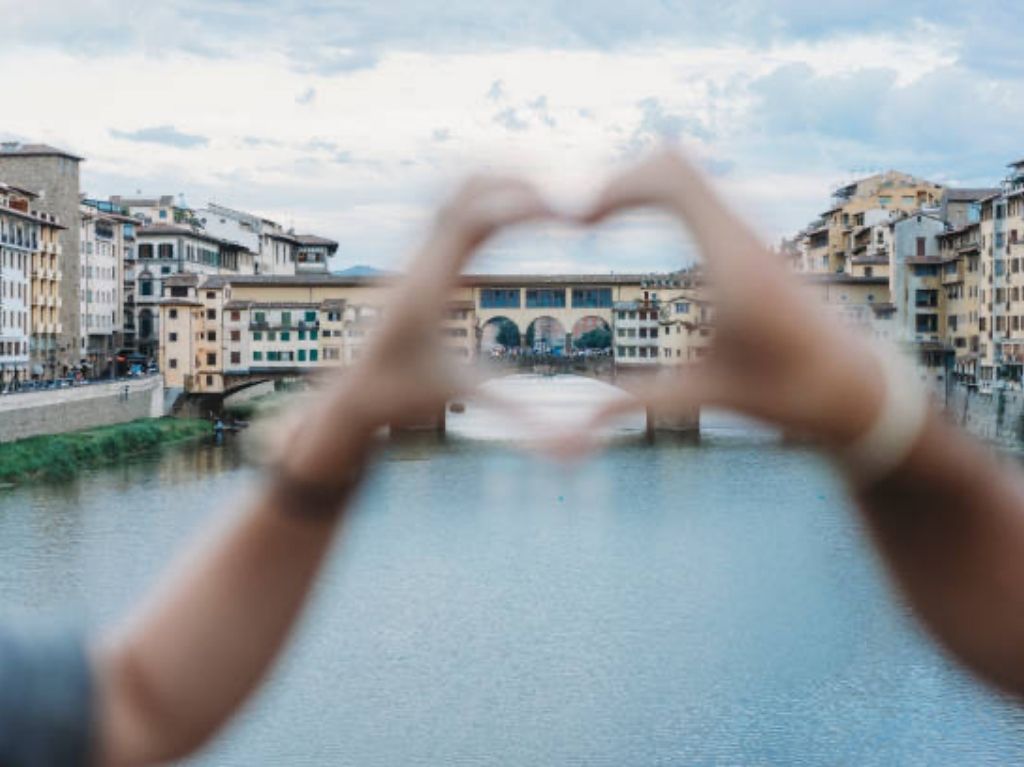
[960, 256]
[830, 244]
[45, 357]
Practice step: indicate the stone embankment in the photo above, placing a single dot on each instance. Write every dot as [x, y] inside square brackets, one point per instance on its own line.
[996, 416]
[32, 414]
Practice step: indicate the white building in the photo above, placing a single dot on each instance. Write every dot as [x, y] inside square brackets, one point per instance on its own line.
[19, 239]
[635, 331]
[105, 241]
[163, 250]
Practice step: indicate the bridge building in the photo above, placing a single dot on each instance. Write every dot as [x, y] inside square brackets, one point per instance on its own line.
[220, 332]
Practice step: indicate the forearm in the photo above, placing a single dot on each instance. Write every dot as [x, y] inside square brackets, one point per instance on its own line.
[950, 524]
[204, 640]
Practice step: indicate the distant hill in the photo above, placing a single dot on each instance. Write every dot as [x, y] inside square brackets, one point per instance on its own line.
[361, 270]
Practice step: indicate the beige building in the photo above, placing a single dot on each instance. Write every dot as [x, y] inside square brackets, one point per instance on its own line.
[686, 327]
[830, 244]
[215, 330]
[960, 256]
[45, 290]
[1001, 309]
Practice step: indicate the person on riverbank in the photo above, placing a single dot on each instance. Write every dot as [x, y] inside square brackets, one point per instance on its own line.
[946, 516]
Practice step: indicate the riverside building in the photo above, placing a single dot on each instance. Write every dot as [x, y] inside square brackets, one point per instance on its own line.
[52, 175]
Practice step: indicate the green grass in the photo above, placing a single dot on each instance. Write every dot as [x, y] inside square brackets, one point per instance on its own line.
[59, 457]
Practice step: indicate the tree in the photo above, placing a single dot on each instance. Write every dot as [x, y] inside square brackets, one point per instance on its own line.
[598, 338]
[508, 334]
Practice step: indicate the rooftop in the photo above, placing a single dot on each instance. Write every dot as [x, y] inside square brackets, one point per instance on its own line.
[968, 194]
[18, 149]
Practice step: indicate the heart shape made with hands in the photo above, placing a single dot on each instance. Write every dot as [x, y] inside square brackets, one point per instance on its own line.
[775, 356]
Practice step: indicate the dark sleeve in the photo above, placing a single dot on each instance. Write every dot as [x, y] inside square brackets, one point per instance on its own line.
[45, 701]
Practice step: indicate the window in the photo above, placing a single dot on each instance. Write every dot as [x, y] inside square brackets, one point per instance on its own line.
[236, 335]
[211, 335]
[920, 246]
[211, 314]
[209, 380]
[211, 358]
[286, 321]
[310, 316]
[682, 307]
[146, 250]
[286, 335]
[312, 355]
[499, 298]
[312, 335]
[172, 363]
[172, 313]
[146, 288]
[260, 318]
[165, 250]
[257, 335]
[302, 355]
[545, 298]
[302, 335]
[172, 337]
[257, 356]
[236, 316]
[236, 358]
[591, 298]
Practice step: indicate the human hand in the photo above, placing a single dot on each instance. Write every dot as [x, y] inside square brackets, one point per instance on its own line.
[405, 374]
[776, 355]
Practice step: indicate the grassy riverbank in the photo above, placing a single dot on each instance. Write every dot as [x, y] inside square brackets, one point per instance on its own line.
[60, 457]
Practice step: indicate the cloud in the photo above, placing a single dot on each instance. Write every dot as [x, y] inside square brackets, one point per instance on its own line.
[167, 135]
[497, 91]
[308, 96]
[657, 125]
[539, 107]
[511, 120]
[441, 135]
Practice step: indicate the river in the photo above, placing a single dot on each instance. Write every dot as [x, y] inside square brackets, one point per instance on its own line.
[711, 603]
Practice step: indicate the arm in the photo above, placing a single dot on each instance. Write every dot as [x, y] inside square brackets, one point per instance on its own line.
[949, 520]
[950, 524]
[202, 642]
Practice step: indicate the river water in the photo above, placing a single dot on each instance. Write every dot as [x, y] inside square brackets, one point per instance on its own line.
[711, 603]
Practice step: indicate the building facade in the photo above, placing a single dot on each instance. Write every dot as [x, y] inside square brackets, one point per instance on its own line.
[53, 175]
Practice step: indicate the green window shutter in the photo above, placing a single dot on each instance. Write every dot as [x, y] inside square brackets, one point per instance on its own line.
[312, 335]
[257, 335]
[313, 354]
[302, 355]
[257, 356]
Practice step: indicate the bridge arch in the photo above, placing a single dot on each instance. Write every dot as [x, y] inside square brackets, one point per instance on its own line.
[592, 332]
[546, 331]
[499, 331]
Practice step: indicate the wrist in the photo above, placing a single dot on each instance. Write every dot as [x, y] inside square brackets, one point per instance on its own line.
[893, 419]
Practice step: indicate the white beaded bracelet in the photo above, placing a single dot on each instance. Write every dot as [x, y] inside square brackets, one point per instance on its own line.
[891, 437]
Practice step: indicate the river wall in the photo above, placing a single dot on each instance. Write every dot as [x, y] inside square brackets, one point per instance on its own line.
[81, 407]
[996, 416]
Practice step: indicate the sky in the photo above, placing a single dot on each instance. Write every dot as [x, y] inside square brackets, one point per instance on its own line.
[354, 119]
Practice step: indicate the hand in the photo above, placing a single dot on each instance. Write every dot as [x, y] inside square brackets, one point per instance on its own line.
[404, 375]
[776, 355]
